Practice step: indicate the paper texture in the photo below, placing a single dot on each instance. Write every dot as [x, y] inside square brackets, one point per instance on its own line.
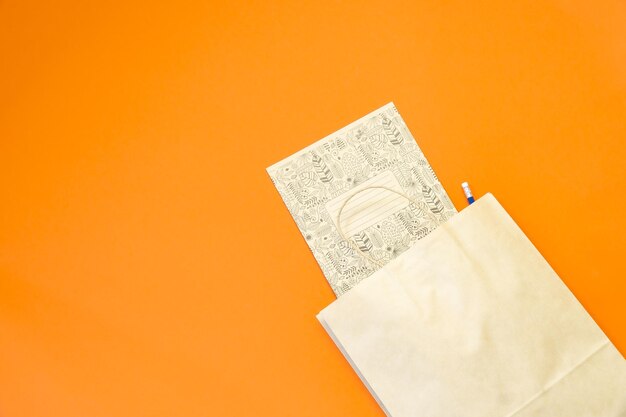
[472, 321]
[376, 150]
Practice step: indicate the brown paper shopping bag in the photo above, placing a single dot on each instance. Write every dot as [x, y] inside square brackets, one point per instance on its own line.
[471, 321]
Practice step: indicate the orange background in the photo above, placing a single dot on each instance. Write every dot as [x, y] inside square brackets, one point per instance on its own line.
[147, 265]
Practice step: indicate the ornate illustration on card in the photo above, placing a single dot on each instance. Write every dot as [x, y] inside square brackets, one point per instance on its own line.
[399, 201]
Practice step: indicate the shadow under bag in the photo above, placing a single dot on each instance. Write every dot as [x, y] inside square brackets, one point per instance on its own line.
[472, 321]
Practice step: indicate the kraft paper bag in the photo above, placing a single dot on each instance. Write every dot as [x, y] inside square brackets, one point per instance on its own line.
[471, 321]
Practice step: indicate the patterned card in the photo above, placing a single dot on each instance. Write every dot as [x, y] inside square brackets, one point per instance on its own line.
[399, 201]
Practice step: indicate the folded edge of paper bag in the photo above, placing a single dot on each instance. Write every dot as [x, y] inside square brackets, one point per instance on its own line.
[570, 368]
[352, 364]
